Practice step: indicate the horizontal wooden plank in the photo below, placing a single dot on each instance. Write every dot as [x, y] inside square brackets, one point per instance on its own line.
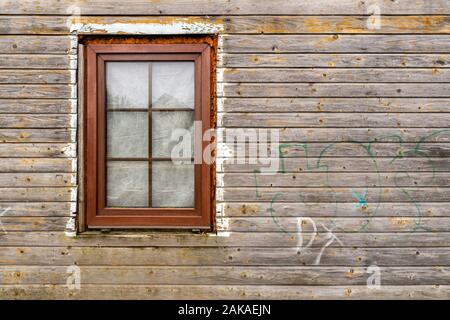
[239, 150]
[37, 179]
[14, 76]
[235, 7]
[369, 224]
[280, 105]
[32, 224]
[338, 179]
[38, 135]
[38, 165]
[267, 209]
[237, 24]
[38, 61]
[318, 276]
[308, 75]
[334, 194]
[18, 150]
[345, 164]
[334, 135]
[12, 44]
[38, 194]
[38, 121]
[225, 239]
[235, 292]
[294, 90]
[223, 256]
[335, 43]
[334, 120]
[363, 223]
[37, 106]
[334, 60]
[37, 209]
[55, 91]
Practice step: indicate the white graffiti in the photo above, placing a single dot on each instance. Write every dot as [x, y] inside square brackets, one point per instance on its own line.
[330, 236]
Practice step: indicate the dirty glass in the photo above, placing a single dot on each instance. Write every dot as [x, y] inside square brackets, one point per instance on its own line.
[145, 103]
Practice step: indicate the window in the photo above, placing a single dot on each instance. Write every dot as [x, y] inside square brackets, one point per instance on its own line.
[138, 96]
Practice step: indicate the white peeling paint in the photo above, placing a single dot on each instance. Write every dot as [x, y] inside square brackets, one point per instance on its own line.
[73, 91]
[73, 135]
[219, 119]
[73, 105]
[69, 150]
[223, 224]
[147, 28]
[220, 105]
[220, 44]
[73, 45]
[220, 234]
[219, 88]
[73, 207]
[73, 62]
[73, 120]
[74, 165]
[219, 194]
[219, 180]
[74, 194]
[73, 76]
[71, 227]
[219, 74]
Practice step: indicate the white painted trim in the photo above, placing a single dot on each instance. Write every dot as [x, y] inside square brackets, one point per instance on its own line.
[146, 28]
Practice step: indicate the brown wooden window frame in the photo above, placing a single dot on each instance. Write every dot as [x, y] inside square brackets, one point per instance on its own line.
[98, 215]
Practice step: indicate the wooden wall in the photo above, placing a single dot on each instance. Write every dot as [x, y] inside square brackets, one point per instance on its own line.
[363, 115]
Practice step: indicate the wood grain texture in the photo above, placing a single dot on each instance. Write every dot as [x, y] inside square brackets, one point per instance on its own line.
[301, 151]
[235, 7]
[266, 209]
[55, 91]
[333, 135]
[37, 61]
[37, 105]
[334, 194]
[333, 60]
[419, 90]
[344, 164]
[363, 223]
[335, 43]
[227, 256]
[339, 179]
[363, 105]
[36, 76]
[38, 135]
[38, 164]
[238, 24]
[36, 44]
[343, 120]
[318, 276]
[119, 239]
[349, 75]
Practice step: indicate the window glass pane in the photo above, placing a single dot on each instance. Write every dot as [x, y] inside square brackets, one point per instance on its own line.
[163, 124]
[127, 84]
[127, 184]
[172, 185]
[173, 85]
[127, 134]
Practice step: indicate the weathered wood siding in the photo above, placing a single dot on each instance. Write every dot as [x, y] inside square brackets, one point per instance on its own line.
[363, 178]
